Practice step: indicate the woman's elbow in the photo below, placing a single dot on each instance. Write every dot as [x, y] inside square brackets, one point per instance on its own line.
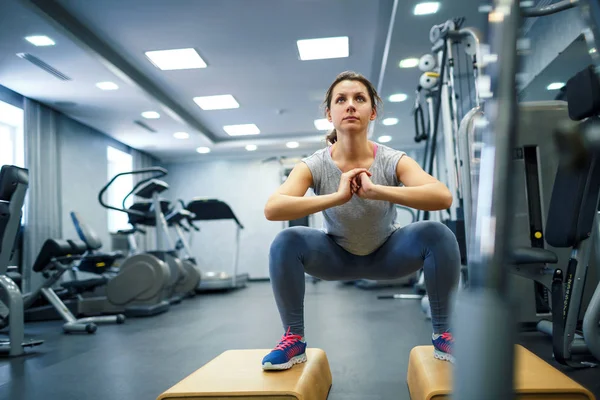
[447, 200]
[268, 211]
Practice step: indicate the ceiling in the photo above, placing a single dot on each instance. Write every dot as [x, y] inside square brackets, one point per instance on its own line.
[250, 49]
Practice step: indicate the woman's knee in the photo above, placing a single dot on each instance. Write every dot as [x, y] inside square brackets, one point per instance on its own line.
[292, 236]
[433, 232]
[289, 242]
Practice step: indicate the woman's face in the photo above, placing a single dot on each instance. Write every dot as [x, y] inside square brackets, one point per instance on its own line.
[351, 108]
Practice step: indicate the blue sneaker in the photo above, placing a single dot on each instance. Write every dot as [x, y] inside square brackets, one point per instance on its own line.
[443, 345]
[290, 350]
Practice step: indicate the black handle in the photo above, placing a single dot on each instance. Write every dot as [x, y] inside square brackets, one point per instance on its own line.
[159, 172]
[549, 9]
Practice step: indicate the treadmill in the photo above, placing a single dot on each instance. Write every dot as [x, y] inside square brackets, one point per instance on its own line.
[214, 209]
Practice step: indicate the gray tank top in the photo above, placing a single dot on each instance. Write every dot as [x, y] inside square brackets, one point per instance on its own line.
[360, 226]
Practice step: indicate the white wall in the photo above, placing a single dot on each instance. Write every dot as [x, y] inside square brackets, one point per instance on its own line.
[245, 186]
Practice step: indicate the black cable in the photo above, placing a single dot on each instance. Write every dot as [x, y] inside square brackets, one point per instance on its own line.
[438, 108]
[420, 130]
[425, 151]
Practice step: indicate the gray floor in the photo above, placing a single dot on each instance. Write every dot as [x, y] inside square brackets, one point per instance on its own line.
[367, 342]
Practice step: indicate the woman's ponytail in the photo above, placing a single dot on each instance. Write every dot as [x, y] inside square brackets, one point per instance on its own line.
[332, 136]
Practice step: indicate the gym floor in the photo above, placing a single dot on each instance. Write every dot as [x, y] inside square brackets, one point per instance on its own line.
[367, 342]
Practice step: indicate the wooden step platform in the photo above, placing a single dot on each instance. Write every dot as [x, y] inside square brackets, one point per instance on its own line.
[237, 374]
[431, 379]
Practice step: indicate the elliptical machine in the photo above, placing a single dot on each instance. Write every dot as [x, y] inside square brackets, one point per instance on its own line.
[184, 277]
[143, 285]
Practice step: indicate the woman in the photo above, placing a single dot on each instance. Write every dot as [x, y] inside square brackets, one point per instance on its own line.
[357, 183]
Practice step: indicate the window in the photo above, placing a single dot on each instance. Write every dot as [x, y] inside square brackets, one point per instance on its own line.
[12, 144]
[118, 162]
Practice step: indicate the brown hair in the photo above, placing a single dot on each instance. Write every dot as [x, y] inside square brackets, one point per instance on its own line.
[350, 76]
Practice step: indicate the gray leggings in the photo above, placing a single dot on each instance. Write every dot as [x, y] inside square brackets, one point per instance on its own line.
[426, 244]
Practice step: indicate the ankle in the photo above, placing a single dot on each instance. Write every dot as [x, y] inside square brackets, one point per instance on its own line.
[290, 333]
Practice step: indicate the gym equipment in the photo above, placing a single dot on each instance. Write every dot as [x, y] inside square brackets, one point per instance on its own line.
[54, 259]
[575, 200]
[144, 282]
[441, 88]
[535, 161]
[582, 141]
[88, 285]
[544, 180]
[14, 182]
[430, 379]
[484, 313]
[93, 260]
[571, 218]
[237, 374]
[214, 209]
[549, 9]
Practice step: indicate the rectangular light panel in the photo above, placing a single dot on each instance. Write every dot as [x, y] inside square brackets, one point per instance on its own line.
[241, 130]
[40, 40]
[220, 102]
[107, 85]
[426, 8]
[176, 59]
[324, 48]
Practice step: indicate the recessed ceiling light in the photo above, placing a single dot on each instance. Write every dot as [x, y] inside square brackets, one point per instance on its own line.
[555, 86]
[390, 121]
[384, 139]
[292, 145]
[107, 86]
[176, 59]
[427, 8]
[324, 48]
[398, 97]
[203, 150]
[151, 115]
[251, 147]
[486, 8]
[181, 135]
[220, 102]
[241, 130]
[40, 40]
[409, 63]
[323, 124]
